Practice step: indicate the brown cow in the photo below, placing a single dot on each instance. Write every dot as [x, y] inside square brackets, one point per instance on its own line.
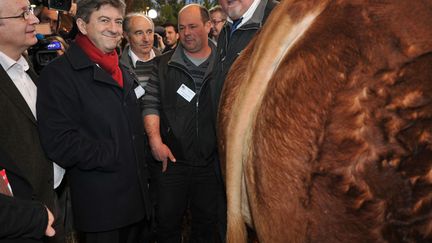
[326, 124]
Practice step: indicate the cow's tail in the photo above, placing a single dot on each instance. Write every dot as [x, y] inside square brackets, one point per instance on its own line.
[236, 231]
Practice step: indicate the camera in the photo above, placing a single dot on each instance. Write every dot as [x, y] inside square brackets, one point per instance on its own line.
[44, 52]
[50, 44]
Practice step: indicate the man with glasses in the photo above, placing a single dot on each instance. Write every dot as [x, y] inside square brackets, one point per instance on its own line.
[19, 138]
[218, 18]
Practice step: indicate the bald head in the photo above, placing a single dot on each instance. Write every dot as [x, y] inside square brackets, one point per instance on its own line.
[194, 27]
[196, 10]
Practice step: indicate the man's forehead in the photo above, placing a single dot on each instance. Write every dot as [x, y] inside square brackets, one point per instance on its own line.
[107, 11]
[216, 14]
[140, 22]
[15, 6]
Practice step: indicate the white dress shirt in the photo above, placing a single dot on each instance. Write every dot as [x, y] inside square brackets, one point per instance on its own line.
[135, 58]
[248, 14]
[17, 71]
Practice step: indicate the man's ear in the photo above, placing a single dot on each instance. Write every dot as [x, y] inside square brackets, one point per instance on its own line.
[125, 35]
[207, 26]
[82, 26]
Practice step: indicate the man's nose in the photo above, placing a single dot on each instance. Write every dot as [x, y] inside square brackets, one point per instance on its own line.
[114, 27]
[33, 19]
[146, 36]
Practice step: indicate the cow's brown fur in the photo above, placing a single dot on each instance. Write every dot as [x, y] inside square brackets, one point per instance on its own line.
[337, 145]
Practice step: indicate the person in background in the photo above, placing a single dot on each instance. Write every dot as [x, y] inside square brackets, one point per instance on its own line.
[51, 17]
[19, 136]
[171, 37]
[90, 121]
[138, 29]
[178, 121]
[218, 19]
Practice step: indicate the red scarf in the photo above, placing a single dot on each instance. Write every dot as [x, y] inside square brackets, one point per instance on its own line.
[109, 62]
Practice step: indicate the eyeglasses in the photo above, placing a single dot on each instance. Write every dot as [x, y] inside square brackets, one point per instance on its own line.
[25, 15]
[215, 22]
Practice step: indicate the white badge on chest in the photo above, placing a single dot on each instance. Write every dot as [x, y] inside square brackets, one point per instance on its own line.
[186, 93]
[139, 91]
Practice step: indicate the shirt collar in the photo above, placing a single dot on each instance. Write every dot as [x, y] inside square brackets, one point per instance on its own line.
[248, 14]
[135, 58]
[7, 62]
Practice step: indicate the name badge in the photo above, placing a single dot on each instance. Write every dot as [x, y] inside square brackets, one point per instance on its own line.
[139, 91]
[186, 93]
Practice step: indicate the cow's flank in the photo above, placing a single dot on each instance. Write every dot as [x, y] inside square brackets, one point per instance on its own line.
[326, 124]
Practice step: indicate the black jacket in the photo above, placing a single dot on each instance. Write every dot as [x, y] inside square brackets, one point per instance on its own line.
[20, 138]
[186, 127]
[229, 48]
[21, 218]
[94, 129]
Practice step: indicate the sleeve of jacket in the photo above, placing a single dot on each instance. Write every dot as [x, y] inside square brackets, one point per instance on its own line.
[58, 111]
[22, 218]
[150, 102]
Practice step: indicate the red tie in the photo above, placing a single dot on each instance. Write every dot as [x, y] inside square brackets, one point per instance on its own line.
[4, 184]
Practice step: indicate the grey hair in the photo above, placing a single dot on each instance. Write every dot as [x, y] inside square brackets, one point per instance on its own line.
[128, 18]
[86, 7]
[219, 9]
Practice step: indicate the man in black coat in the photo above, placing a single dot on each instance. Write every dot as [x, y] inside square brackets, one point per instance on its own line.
[90, 122]
[22, 219]
[178, 121]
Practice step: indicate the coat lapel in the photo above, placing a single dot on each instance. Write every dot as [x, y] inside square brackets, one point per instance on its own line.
[128, 80]
[10, 90]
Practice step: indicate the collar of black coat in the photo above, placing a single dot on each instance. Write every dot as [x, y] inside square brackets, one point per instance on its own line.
[79, 60]
[177, 56]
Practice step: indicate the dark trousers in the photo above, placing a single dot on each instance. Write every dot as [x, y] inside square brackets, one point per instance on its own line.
[177, 188]
[129, 234]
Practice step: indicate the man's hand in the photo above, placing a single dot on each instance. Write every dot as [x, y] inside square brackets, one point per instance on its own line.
[161, 44]
[162, 153]
[49, 229]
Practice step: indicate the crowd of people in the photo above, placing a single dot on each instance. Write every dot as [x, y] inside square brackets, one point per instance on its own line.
[134, 128]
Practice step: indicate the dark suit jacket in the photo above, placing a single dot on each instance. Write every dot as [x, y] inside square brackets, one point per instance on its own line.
[21, 218]
[20, 138]
[94, 129]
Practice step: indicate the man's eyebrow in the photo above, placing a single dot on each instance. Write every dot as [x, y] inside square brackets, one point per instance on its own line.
[103, 16]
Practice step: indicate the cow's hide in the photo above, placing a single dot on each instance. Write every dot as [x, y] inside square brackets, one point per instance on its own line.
[326, 124]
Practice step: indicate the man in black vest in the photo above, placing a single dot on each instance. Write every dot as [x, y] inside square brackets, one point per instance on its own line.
[177, 109]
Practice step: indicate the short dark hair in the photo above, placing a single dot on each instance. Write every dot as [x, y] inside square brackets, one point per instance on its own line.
[205, 15]
[86, 7]
[168, 24]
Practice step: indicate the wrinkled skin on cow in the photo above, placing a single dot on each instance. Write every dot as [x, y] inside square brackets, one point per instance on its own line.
[325, 124]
